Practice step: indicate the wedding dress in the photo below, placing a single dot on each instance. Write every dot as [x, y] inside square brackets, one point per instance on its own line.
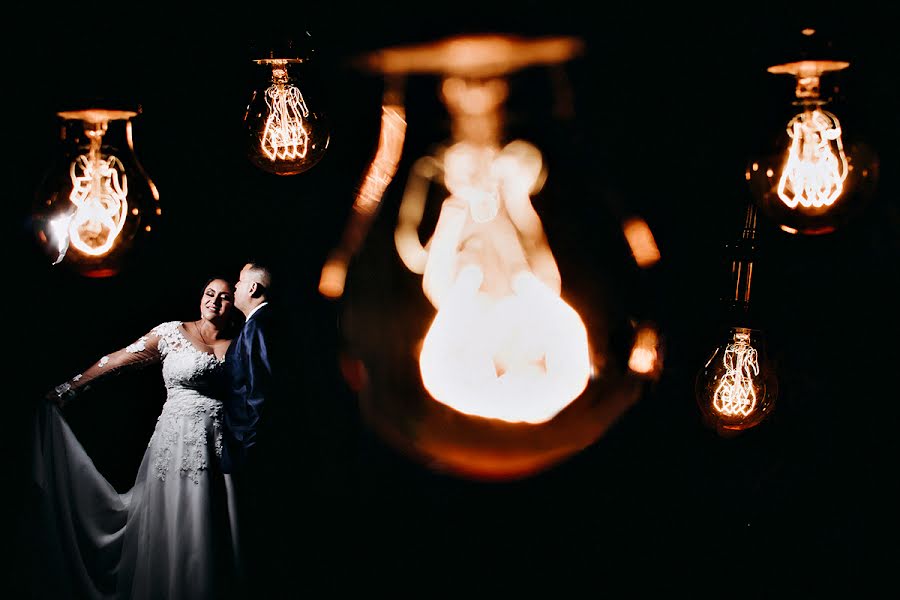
[172, 535]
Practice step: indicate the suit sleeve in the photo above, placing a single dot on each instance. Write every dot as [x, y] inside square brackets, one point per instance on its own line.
[259, 377]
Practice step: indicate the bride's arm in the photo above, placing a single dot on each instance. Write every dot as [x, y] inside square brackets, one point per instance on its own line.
[145, 351]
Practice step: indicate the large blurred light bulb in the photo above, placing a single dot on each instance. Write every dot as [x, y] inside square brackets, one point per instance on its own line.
[285, 136]
[817, 179]
[95, 201]
[473, 345]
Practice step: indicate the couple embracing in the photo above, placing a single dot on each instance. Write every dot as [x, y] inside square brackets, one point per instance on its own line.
[192, 525]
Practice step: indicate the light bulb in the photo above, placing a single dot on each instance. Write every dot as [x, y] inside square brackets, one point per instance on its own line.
[816, 167]
[96, 201]
[736, 388]
[474, 344]
[818, 177]
[286, 132]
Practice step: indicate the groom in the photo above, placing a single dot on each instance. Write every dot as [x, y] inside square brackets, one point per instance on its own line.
[249, 449]
[248, 365]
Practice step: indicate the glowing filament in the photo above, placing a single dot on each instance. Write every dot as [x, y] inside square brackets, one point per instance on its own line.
[519, 358]
[816, 166]
[736, 394]
[99, 193]
[285, 136]
[503, 344]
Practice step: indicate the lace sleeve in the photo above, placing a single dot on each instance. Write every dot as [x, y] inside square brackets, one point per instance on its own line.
[146, 350]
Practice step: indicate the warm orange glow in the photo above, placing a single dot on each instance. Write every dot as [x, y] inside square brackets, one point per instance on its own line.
[93, 205]
[368, 200]
[285, 136]
[101, 273]
[99, 190]
[816, 167]
[522, 357]
[99, 193]
[503, 344]
[332, 278]
[813, 175]
[640, 240]
[487, 220]
[97, 116]
[808, 68]
[736, 394]
[501, 378]
[644, 357]
[406, 235]
[384, 165]
[474, 55]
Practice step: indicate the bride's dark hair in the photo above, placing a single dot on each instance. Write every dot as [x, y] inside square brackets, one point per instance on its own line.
[214, 277]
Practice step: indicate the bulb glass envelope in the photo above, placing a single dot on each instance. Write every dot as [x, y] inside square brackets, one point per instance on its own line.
[286, 131]
[95, 201]
[474, 343]
[820, 173]
[737, 386]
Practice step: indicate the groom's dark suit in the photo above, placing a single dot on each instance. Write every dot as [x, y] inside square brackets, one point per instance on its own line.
[250, 384]
[250, 450]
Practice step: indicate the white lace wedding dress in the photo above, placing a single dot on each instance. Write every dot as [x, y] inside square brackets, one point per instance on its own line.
[172, 534]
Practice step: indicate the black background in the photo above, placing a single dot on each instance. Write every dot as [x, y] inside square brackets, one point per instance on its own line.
[669, 107]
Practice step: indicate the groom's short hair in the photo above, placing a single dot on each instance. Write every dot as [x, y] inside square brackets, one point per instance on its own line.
[263, 274]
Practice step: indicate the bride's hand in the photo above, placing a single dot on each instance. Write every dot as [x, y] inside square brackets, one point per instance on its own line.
[60, 395]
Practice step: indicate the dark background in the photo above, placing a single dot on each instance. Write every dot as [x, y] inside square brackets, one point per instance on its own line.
[669, 107]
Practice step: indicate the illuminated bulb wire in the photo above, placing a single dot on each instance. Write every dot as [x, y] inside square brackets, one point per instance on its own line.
[99, 193]
[736, 394]
[503, 344]
[816, 166]
[519, 358]
[285, 136]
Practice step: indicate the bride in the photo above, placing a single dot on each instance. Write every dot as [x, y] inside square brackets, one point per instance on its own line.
[172, 535]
